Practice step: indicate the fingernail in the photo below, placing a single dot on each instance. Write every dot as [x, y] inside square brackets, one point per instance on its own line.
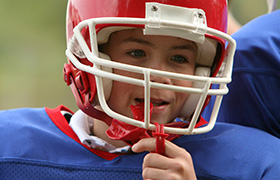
[134, 147]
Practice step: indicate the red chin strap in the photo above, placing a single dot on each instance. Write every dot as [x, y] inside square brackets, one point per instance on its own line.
[131, 134]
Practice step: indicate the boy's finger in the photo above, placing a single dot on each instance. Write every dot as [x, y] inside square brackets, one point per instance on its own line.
[147, 144]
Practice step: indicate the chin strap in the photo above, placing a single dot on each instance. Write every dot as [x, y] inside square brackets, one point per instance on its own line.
[160, 138]
[131, 134]
[119, 130]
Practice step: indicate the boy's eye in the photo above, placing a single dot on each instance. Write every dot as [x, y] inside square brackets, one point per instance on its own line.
[179, 59]
[137, 53]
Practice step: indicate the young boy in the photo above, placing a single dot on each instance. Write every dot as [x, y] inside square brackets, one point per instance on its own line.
[151, 66]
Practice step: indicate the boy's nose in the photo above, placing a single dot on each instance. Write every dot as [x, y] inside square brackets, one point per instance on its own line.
[158, 65]
[160, 79]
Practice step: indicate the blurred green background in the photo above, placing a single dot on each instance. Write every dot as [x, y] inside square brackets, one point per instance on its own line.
[32, 46]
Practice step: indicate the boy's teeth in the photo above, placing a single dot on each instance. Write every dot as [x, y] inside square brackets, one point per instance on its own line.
[155, 103]
[158, 103]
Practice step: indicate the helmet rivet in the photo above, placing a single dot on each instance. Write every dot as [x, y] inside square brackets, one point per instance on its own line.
[200, 15]
[154, 8]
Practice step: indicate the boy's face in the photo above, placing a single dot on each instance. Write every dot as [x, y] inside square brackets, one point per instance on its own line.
[158, 52]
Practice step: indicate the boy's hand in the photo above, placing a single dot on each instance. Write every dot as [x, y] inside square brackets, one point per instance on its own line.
[176, 164]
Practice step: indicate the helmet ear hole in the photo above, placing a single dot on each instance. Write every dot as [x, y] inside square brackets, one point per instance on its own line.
[192, 100]
[81, 81]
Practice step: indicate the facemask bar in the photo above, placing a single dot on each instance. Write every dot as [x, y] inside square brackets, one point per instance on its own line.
[271, 5]
[92, 56]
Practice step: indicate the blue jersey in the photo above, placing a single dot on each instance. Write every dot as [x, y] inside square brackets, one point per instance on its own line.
[254, 94]
[39, 144]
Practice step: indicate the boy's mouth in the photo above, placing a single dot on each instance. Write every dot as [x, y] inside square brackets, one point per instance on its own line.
[155, 102]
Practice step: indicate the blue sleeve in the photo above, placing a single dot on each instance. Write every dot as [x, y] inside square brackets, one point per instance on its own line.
[254, 97]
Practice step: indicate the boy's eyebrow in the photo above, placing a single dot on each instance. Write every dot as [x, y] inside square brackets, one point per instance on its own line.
[190, 46]
[140, 41]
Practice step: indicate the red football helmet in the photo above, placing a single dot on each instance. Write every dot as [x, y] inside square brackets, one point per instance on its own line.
[89, 24]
